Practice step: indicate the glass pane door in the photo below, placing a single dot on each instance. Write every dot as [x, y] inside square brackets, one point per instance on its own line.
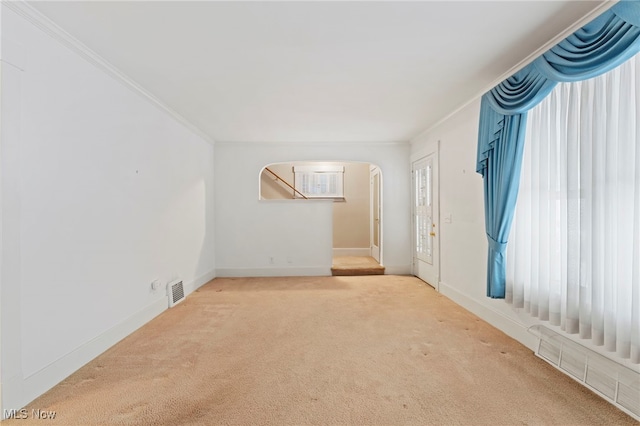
[423, 210]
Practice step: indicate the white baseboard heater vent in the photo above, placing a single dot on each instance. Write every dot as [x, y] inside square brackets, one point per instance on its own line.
[615, 382]
[175, 291]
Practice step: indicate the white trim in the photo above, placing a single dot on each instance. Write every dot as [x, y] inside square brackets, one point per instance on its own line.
[198, 282]
[377, 252]
[22, 391]
[397, 269]
[509, 326]
[309, 271]
[50, 28]
[365, 251]
[427, 148]
[329, 144]
[19, 393]
[304, 271]
[523, 63]
[294, 200]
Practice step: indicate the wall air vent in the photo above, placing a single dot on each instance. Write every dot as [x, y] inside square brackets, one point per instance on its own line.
[175, 290]
[613, 381]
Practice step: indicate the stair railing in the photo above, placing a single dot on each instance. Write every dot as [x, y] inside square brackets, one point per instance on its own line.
[278, 178]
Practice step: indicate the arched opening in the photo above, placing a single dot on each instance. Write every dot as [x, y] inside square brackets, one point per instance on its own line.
[355, 188]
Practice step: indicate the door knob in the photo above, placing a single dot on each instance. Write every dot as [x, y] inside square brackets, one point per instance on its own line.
[433, 234]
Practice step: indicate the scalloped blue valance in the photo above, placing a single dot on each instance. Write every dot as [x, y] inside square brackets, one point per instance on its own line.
[598, 47]
[601, 45]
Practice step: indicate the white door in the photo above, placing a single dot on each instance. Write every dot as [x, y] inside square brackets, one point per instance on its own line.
[426, 264]
[376, 210]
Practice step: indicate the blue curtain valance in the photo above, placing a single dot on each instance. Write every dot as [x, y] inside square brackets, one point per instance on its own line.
[520, 92]
[599, 46]
[628, 12]
[594, 49]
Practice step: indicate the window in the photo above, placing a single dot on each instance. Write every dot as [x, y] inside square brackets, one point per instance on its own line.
[574, 253]
[319, 181]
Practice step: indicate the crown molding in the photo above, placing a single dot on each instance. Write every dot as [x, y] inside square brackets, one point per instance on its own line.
[328, 144]
[607, 4]
[50, 28]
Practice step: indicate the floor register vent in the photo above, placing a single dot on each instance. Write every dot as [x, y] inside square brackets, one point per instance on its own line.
[615, 382]
[176, 293]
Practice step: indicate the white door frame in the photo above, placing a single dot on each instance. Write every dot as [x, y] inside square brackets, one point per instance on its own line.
[376, 251]
[424, 271]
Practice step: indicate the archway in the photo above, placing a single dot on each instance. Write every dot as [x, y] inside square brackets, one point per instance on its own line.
[355, 188]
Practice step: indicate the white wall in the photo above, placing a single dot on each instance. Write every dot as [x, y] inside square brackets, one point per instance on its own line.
[463, 242]
[298, 234]
[350, 216]
[102, 192]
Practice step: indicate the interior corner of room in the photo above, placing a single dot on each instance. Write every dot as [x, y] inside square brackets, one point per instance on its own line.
[141, 159]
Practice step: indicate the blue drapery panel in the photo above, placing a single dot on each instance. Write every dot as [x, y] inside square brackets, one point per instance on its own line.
[500, 191]
[594, 49]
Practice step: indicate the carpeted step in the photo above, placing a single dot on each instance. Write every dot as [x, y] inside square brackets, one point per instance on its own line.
[357, 271]
[356, 265]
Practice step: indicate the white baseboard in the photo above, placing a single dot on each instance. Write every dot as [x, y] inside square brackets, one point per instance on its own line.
[38, 383]
[309, 271]
[507, 325]
[397, 269]
[19, 392]
[198, 282]
[352, 251]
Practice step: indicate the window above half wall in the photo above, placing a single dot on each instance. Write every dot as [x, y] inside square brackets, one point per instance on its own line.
[299, 180]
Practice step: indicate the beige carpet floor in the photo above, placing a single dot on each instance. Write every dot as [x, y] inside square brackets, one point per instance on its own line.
[374, 350]
[355, 265]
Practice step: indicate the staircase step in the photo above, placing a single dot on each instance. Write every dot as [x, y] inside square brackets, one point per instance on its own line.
[356, 265]
[357, 271]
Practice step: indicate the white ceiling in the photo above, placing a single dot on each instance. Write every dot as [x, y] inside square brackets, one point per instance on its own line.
[315, 71]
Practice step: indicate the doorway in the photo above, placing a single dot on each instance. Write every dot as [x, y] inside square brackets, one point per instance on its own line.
[368, 262]
[425, 215]
[376, 212]
[356, 193]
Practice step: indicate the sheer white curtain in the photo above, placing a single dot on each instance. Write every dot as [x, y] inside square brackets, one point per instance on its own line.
[573, 257]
